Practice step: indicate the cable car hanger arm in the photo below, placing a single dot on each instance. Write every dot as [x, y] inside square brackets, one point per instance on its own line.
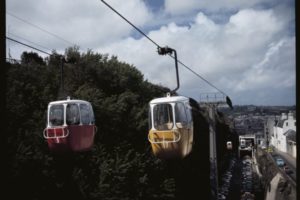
[228, 100]
[168, 50]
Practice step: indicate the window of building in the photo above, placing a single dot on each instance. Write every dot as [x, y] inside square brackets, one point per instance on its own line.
[286, 123]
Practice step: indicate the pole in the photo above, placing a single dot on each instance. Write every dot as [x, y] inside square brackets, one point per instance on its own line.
[177, 74]
[213, 150]
[168, 50]
[62, 76]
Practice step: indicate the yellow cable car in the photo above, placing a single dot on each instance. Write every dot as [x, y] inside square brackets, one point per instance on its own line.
[171, 124]
[171, 127]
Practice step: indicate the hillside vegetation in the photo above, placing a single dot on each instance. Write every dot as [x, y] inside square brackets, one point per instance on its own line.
[120, 165]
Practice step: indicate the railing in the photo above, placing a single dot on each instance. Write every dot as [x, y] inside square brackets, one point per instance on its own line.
[63, 133]
[162, 140]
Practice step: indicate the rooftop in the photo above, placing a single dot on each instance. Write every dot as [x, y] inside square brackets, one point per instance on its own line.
[169, 99]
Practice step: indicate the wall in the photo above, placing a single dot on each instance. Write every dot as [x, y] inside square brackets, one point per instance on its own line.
[282, 188]
[291, 148]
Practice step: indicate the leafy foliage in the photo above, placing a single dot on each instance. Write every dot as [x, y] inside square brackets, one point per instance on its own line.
[120, 165]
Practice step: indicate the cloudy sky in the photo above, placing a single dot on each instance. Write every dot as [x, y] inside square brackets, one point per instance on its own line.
[244, 48]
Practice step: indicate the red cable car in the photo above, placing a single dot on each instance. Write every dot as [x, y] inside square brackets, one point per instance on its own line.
[70, 126]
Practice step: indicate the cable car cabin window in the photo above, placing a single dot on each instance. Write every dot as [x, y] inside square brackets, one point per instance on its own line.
[85, 114]
[180, 115]
[92, 116]
[72, 114]
[188, 112]
[56, 115]
[149, 118]
[163, 117]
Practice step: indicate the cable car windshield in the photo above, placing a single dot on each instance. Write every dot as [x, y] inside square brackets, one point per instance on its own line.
[163, 117]
[73, 114]
[149, 118]
[85, 114]
[56, 115]
[243, 143]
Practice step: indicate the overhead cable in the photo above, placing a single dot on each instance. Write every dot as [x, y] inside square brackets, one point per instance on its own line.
[30, 41]
[139, 30]
[28, 46]
[13, 59]
[201, 77]
[144, 34]
[38, 27]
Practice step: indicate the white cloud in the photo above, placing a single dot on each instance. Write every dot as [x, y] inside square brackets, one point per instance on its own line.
[236, 56]
[274, 71]
[249, 54]
[179, 7]
[85, 23]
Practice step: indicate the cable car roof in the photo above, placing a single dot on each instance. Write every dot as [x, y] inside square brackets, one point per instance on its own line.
[169, 99]
[69, 101]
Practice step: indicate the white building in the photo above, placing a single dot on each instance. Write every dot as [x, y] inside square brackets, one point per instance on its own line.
[291, 142]
[281, 131]
[269, 130]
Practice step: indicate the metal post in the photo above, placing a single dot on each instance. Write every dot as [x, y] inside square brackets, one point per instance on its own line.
[168, 50]
[177, 75]
[62, 76]
[213, 150]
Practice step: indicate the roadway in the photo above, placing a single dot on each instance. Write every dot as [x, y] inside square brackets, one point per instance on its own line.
[289, 160]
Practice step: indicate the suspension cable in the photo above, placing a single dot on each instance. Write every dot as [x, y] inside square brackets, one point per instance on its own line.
[144, 34]
[28, 45]
[42, 29]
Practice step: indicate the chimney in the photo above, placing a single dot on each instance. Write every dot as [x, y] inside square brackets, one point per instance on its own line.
[283, 116]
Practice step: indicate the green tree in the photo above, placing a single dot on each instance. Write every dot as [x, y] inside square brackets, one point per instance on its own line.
[120, 165]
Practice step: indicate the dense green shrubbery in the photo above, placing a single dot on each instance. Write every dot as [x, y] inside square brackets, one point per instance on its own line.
[120, 165]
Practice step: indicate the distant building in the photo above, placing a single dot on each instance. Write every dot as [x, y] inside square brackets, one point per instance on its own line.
[283, 130]
[269, 125]
[251, 108]
[259, 136]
